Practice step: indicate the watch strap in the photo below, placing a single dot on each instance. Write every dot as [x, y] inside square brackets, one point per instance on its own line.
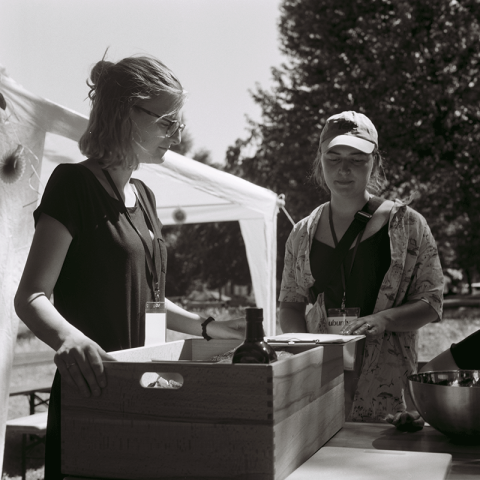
[204, 328]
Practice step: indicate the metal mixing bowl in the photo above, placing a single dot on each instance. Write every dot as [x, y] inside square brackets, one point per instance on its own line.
[449, 401]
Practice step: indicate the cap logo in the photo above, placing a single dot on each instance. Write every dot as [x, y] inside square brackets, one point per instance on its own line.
[346, 124]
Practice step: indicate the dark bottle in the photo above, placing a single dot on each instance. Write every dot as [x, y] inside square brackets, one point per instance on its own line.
[254, 349]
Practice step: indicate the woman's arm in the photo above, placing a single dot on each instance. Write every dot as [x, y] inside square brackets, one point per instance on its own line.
[423, 303]
[404, 318]
[78, 358]
[292, 317]
[180, 320]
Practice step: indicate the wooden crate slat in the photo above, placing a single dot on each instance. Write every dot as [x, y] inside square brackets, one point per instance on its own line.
[300, 381]
[219, 392]
[205, 450]
[304, 432]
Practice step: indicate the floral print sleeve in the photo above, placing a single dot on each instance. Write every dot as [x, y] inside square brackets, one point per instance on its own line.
[297, 277]
[427, 278]
[290, 290]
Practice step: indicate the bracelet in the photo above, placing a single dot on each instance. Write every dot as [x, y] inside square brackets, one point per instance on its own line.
[204, 328]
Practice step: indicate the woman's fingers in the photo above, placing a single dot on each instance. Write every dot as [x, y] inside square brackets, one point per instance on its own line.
[369, 325]
[92, 370]
[78, 376]
[96, 357]
[70, 372]
[83, 368]
[63, 367]
[356, 328]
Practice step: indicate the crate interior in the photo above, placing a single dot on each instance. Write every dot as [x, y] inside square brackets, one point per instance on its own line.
[190, 350]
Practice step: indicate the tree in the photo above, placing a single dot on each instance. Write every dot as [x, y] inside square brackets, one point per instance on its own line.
[412, 67]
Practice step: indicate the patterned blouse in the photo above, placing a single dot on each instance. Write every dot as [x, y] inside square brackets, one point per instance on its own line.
[415, 273]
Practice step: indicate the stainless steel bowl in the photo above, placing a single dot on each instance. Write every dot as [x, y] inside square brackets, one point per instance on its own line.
[449, 401]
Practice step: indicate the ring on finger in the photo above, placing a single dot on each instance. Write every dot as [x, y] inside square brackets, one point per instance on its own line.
[68, 365]
[367, 325]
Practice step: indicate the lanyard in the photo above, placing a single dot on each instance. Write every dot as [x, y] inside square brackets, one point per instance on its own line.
[148, 256]
[359, 238]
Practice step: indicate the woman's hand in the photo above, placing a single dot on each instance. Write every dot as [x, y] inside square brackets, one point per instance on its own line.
[79, 361]
[234, 328]
[369, 325]
[406, 421]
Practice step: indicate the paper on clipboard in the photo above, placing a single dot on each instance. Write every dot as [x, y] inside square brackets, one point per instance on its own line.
[294, 338]
[349, 349]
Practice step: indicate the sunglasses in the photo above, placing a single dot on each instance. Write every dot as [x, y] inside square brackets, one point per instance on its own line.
[173, 126]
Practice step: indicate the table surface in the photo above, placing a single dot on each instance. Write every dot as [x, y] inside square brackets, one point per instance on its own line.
[465, 458]
[380, 436]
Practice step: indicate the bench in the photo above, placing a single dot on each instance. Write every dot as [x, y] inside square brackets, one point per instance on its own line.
[31, 426]
[32, 389]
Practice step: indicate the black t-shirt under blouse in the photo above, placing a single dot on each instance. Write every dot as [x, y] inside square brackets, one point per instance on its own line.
[372, 262]
[104, 282]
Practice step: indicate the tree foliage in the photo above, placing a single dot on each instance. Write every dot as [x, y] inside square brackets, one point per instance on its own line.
[411, 66]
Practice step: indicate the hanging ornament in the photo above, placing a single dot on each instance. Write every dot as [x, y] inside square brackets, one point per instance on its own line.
[179, 215]
[12, 166]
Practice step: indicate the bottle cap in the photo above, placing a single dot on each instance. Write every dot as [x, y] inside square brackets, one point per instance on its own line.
[254, 314]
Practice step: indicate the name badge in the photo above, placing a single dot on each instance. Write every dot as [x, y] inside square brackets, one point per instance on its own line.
[338, 318]
[155, 323]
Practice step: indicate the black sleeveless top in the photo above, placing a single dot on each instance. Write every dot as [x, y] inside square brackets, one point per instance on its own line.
[372, 262]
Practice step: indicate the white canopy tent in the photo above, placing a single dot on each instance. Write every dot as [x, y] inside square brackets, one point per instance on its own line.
[204, 194]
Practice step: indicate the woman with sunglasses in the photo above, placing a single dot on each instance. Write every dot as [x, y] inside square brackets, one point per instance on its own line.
[97, 245]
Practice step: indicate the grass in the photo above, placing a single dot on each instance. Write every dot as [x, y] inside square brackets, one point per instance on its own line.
[457, 324]
[434, 338]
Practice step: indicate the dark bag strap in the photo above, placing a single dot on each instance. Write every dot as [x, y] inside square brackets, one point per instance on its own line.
[362, 217]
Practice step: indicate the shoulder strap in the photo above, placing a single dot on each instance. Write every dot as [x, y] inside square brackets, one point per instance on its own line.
[147, 206]
[362, 217]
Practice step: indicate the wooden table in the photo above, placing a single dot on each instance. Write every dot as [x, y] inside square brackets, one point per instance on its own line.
[465, 461]
[465, 458]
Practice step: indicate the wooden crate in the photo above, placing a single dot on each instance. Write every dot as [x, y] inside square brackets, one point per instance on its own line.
[255, 422]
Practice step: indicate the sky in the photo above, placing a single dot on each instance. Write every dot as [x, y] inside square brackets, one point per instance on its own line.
[219, 49]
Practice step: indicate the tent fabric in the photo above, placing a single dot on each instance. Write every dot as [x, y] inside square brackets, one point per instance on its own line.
[23, 126]
[45, 134]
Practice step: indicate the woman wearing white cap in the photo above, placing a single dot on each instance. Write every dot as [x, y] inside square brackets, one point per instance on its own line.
[386, 285]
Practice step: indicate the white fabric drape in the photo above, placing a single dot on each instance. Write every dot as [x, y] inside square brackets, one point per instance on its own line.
[260, 242]
[23, 125]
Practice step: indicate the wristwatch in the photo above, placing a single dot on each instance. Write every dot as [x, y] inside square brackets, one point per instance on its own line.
[204, 328]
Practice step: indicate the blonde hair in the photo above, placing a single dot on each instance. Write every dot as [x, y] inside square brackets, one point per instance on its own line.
[375, 183]
[114, 89]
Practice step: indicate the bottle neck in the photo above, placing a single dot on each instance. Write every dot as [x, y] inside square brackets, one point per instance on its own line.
[254, 331]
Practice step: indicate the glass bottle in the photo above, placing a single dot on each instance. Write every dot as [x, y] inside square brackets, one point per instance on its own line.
[254, 349]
